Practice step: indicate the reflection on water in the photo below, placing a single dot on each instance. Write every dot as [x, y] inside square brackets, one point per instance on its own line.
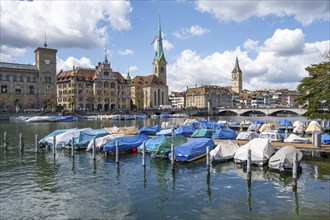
[61, 187]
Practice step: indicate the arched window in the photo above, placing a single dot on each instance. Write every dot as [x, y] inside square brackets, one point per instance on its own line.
[113, 85]
[21, 79]
[18, 88]
[50, 79]
[28, 79]
[15, 78]
[0, 77]
[155, 98]
[106, 84]
[31, 89]
[4, 88]
[34, 79]
[7, 77]
[46, 79]
[48, 89]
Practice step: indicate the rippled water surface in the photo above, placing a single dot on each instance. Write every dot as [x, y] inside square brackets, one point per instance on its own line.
[41, 186]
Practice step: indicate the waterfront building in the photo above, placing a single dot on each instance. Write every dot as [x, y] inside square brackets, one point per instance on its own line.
[200, 96]
[176, 99]
[93, 89]
[152, 91]
[29, 86]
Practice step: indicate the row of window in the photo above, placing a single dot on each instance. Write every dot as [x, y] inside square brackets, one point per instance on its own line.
[48, 79]
[18, 89]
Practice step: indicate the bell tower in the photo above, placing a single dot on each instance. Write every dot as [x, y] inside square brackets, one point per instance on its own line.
[236, 78]
[159, 63]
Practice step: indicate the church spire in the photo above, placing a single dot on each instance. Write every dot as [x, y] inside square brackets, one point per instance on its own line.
[159, 52]
[236, 67]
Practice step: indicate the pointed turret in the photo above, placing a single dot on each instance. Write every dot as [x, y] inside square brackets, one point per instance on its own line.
[128, 77]
[236, 67]
[160, 51]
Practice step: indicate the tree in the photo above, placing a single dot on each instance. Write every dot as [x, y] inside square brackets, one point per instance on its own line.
[314, 90]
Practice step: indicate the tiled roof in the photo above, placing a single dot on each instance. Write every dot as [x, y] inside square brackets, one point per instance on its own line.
[207, 89]
[18, 66]
[147, 81]
[119, 77]
[81, 74]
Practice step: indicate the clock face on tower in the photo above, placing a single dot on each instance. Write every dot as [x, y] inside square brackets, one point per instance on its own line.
[234, 76]
[47, 61]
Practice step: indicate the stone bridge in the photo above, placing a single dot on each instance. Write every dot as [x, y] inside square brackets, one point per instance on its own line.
[261, 111]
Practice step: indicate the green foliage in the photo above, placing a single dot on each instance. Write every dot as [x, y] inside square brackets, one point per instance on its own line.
[314, 91]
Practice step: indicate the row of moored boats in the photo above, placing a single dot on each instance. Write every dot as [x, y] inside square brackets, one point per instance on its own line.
[190, 142]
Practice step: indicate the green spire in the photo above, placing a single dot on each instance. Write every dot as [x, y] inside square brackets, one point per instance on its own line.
[159, 52]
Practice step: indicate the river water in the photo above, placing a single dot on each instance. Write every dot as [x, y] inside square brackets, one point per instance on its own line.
[41, 186]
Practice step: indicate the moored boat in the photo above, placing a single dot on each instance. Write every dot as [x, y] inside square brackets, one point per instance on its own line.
[192, 149]
[125, 143]
[261, 150]
[223, 151]
[282, 160]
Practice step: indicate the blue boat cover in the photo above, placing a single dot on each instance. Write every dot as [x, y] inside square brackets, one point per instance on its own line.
[150, 130]
[54, 133]
[258, 122]
[185, 130]
[82, 138]
[208, 124]
[152, 143]
[166, 132]
[327, 125]
[165, 115]
[225, 133]
[325, 138]
[63, 118]
[192, 149]
[125, 143]
[285, 122]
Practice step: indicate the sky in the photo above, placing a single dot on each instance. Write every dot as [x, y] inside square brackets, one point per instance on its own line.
[274, 40]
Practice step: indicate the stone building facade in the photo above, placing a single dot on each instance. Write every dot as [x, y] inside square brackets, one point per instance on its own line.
[26, 86]
[200, 96]
[98, 89]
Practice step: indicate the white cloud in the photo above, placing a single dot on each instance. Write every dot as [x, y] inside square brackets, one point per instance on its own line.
[286, 42]
[126, 52]
[132, 69]
[73, 61]
[69, 23]
[186, 33]
[251, 45]
[6, 53]
[304, 12]
[267, 70]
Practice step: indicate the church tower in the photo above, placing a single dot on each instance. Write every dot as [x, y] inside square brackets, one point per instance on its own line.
[236, 78]
[159, 63]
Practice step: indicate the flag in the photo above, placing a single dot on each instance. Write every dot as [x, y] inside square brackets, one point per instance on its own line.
[153, 41]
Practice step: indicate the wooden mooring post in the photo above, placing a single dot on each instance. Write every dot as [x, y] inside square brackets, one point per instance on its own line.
[172, 157]
[94, 148]
[54, 145]
[144, 155]
[72, 147]
[208, 159]
[248, 168]
[36, 145]
[294, 171]
[21, 144]
[117, 152]
[5, 141]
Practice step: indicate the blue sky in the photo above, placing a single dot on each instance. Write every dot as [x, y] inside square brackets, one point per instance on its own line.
[274, 40]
